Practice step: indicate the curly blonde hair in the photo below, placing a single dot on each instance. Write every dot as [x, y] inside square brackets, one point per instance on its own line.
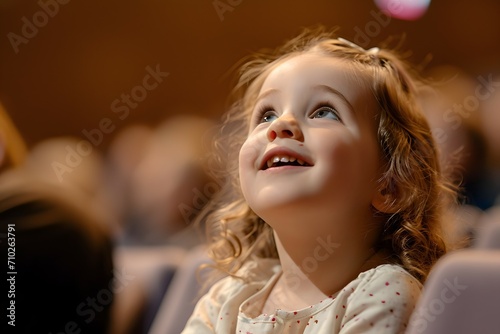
[411, 180]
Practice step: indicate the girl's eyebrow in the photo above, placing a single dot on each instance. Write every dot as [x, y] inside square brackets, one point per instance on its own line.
[266, 93]
[335, 92]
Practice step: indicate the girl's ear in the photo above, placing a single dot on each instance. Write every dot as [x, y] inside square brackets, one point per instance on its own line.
[383, 201]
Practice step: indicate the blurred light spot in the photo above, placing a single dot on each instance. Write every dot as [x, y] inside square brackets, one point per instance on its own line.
[404, 9]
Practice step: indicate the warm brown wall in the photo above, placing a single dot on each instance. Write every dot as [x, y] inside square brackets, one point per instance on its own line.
[65, 78]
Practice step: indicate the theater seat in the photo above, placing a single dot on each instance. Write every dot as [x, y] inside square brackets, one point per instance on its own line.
[150, 270]
[461, 295]
[488, 236]
[182, 295]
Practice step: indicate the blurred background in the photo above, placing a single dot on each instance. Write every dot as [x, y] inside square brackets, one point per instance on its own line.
[118, 101]
[64, 78]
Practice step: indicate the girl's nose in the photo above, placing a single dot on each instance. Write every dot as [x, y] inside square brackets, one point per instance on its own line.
[286, 126]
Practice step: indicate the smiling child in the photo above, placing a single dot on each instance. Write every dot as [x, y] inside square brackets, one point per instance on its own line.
[330, 221]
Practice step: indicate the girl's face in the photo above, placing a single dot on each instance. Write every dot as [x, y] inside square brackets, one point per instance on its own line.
[312, 150]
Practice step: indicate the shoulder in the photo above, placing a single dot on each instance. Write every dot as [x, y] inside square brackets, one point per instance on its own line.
[225, 297]
[381, 298]
[386, 284]
[389, 276]
[255, 272]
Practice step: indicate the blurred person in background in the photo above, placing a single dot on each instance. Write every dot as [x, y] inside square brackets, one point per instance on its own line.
[12, 146]
[490, 124]
[158, 180]
[170, 184]
[63, 264]
[462, 149]
[77, 167]
[456, 127]
[124, 153]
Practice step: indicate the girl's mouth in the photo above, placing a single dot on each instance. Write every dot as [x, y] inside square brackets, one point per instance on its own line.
[283, 156]
[284, 160]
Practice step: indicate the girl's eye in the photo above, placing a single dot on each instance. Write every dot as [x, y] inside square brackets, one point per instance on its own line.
[325, 112]
[268, 116]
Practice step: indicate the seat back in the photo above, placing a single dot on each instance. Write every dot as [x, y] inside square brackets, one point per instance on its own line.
[181, 297]
[488, 235]
[461, 295]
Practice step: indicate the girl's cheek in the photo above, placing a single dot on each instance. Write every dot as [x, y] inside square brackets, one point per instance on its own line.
[248, 155]
[252, 149]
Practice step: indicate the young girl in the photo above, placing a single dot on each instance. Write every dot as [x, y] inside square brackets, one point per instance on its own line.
[328, 221]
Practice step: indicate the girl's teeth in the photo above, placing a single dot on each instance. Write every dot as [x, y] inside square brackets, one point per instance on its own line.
[271, 162]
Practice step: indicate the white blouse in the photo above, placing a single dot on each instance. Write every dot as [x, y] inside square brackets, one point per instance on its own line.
[379, 300]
